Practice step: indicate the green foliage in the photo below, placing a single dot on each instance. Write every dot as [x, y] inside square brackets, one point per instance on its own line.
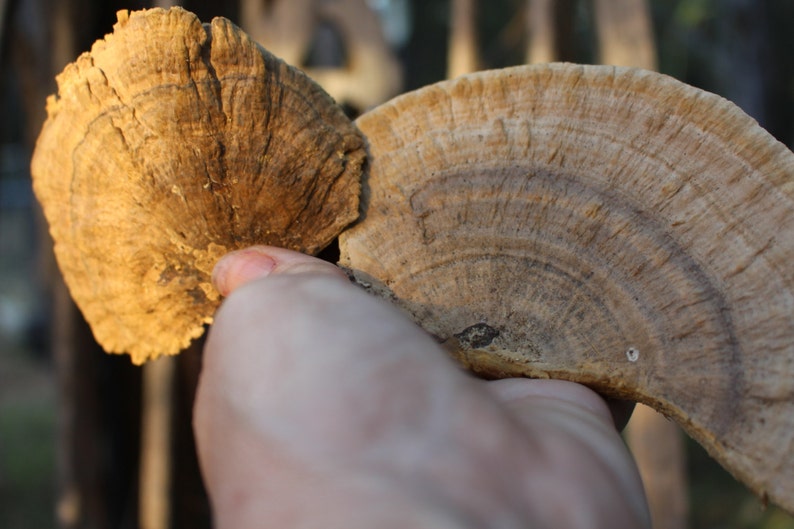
[692, 14]
[27, 462]
[718, 501]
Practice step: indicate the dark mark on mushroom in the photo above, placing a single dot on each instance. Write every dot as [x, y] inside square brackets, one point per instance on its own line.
[478, 335]
[168, 273]
[198, 295]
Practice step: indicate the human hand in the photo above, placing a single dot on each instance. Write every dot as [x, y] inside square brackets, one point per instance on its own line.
[321, 406]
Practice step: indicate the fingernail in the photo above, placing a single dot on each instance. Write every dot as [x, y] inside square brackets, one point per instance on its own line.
[237, 268]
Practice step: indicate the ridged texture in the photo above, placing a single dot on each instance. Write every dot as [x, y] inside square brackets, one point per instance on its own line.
[609, 226]
[169, 144]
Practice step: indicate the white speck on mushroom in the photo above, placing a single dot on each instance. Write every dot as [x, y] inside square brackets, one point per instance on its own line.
[633, 354]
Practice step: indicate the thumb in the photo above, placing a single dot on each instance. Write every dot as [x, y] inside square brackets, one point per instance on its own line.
[242, 266]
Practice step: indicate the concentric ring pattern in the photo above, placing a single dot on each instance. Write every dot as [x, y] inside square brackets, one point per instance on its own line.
[609, 226]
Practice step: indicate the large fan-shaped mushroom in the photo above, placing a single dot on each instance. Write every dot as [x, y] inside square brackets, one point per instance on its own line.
[169, 144]
[603, 225]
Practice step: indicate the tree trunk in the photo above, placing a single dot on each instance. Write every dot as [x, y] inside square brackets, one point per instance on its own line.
[368, 73]
[742, 56]
[154, 494]
[462, 55]
[550, 31]
[97, 429]
[283, 27]
[191, 507]
[541, 34]
[625, 33]
[658, 447]
[371, 73]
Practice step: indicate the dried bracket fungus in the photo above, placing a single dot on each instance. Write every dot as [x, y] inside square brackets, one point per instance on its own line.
[169, 144]
[608, 226]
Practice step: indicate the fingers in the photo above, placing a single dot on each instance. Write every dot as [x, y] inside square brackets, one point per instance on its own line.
[515, 391]
[581, 426]
[617, 411]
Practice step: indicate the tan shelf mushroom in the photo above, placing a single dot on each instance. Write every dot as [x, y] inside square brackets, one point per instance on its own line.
[169, 144]
[605, 225]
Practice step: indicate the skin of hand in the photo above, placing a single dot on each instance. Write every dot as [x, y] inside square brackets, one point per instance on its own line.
[321, 406]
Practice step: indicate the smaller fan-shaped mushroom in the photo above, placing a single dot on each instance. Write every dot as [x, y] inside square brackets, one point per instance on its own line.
[169, 144]
[608, 226]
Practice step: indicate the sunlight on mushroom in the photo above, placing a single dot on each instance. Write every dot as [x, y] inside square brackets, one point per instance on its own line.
[170, 144]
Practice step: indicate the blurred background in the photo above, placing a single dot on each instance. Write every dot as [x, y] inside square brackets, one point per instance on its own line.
[89, 441]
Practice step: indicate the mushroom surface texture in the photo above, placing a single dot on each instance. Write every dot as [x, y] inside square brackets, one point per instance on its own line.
[609, 226]
[170, 144]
